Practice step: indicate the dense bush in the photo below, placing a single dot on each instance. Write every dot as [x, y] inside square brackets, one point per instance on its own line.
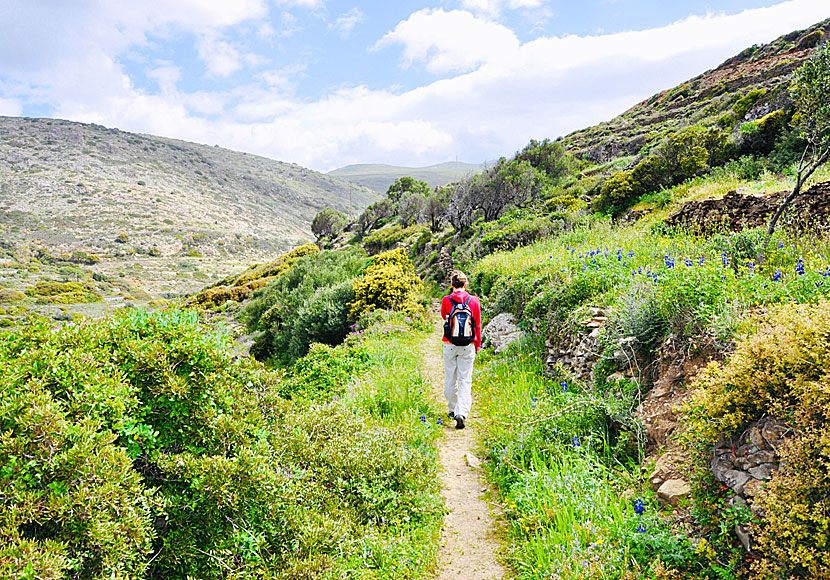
[685, 154]
[305, 304]
[782, 371]
[238, 287]
[63, 292]
[140, 446]
[389, 283]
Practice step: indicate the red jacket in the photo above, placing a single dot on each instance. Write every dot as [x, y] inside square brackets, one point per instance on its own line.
[475, 306]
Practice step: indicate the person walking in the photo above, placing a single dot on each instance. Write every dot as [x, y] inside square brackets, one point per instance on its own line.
[461, 312]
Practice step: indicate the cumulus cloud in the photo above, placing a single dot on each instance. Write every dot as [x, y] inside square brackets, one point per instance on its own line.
[494, 92]
[454, 41]
[220, 58]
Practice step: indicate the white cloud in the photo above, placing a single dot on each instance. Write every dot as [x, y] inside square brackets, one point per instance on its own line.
[450, 41]
[220, 58]
[166, 75]
[347, 22]
[10, 108]
[494, 7]
[503, 94]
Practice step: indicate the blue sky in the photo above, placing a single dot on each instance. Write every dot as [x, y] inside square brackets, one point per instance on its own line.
[327, 83]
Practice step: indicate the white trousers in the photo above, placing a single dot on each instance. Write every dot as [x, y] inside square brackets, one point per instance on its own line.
[458, 377]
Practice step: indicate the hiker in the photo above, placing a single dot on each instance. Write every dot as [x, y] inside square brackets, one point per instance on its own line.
[461, 312]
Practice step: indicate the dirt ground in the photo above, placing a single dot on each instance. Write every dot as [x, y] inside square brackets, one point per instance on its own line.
[469, 547]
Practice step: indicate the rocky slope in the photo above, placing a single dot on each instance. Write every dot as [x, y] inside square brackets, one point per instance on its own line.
[151, 207]
[703, 99]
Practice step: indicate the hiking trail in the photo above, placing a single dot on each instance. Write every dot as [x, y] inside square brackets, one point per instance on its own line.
[468, 547]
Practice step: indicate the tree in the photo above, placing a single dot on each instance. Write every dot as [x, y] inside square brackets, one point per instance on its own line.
[547, 156]
[404, 185]
[375, 215]
[435, 210]
[411, 207]
[461, 209]
[811, 96]
[329, 223]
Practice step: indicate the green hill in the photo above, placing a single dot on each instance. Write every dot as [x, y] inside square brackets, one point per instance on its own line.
[379, 177]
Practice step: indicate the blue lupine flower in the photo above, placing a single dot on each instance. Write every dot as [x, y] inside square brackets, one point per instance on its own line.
[439, 422]
[777, 276]
[688, 263]
[799, 267]
[423, 419]
[701, 261]
[641, 528]
[639, 507]
[751, 267]
[576, 441]
[564, 385]
[780, 245]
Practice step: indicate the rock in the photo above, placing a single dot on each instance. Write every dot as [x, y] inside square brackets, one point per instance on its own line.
[501, 332]
[673, 491]
[763, 471]
[472, 460]
[744, 536]
[757, 438]
[615, 377]
[735, 479]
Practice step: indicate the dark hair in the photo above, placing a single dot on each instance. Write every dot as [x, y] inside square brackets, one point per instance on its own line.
[458, 279]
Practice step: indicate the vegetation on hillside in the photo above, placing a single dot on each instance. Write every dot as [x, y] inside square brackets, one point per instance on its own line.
[142, 446]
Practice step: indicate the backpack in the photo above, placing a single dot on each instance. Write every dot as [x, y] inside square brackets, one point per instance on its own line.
[460, 326]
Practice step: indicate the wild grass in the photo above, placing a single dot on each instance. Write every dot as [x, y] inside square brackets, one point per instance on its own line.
[571, 509]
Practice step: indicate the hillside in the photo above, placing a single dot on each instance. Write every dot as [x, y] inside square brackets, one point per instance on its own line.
[379, 177]
[704, 99]
[150, 207]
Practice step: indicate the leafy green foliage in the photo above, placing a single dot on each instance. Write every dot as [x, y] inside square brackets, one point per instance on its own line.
[390, 283]
[306, 304]
[685, 154]
[328, 223]
[140, 446]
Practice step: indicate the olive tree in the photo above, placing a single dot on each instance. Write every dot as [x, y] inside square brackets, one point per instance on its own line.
[329, 223]
[811, 95]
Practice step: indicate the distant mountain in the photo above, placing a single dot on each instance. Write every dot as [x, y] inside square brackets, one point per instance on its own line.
[379, 177]
[69, 187]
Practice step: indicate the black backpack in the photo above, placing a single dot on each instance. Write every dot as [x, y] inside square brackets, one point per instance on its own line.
[460, 326]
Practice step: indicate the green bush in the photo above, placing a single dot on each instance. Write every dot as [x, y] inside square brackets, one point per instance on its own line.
[305, 304]
[63, 292]
[141, 446]
[745, 103]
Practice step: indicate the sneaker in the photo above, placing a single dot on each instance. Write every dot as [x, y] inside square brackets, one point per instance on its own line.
[459, 421]
[451, 415]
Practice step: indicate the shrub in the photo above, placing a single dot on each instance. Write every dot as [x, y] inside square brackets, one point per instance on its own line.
[63, 293]
[325, 371]
[387, 237]
[141, 446]
[305, 304]
[745, 103]
[782, 371]
[9, 295]
[390, 282]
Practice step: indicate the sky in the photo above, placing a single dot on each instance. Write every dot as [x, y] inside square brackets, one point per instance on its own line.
[328, 83]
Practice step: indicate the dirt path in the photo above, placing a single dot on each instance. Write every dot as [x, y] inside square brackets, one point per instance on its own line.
[468, 546]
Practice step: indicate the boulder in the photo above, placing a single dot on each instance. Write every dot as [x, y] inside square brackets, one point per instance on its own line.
[673, 491]
[501, 332]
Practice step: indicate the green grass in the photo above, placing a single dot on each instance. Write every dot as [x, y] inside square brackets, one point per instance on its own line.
[554, 457]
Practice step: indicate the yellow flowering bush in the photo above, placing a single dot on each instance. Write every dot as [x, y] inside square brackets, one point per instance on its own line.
[782, 371]
[390, 282]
